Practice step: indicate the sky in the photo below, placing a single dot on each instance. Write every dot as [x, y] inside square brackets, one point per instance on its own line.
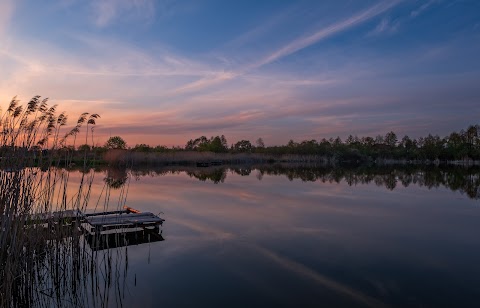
[166, 71]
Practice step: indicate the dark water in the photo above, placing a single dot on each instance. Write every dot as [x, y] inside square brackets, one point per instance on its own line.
[306, 237]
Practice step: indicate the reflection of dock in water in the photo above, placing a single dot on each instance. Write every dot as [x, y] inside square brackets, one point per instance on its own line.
[105, 230]
[122, 239]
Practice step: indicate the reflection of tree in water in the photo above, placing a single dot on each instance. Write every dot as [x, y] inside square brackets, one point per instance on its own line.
[216, 175]
[243, 171]
[259, 175]
[457, 178]
[116, 177]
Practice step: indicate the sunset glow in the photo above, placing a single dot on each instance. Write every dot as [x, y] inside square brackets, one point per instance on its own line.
[166, 71]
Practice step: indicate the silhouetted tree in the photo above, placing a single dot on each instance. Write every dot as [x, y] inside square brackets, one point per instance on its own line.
[259, 143]
[390, 139]
[84, 147]
[142, 148]
[116, 142]
[217, 145]
[243, 146]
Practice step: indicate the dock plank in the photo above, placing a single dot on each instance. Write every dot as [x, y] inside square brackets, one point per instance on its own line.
[56, 216]
[145, 218]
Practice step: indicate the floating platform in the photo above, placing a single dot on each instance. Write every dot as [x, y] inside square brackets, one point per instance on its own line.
[101, 221]
[102, 230]
[55, 217]
[122, 221]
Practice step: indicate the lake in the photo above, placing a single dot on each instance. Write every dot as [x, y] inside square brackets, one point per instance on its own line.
[303, 236]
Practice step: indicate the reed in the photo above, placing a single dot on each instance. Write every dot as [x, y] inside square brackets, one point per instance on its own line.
[46, 264]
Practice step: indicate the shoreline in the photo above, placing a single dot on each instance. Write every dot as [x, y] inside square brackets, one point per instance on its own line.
[203, 159]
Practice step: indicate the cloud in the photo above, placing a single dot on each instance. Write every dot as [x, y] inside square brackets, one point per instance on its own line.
[344, 90]
[104, 67]
[385, 26]
[206, 82]
[295, 45]
[321, 34]
[106, 12]
[7, 8]
[100, 57]
[422, 8]
[115, 58]
[258, 32]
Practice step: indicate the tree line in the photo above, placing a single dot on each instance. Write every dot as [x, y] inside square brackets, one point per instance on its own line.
[455, 146]
[463, 145]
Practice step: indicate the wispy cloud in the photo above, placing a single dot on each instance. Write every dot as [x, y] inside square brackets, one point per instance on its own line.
[7, 8]
[346, 87]
[385, 26]
[211, 79]
[257, 32]
[295, 45]
[109, 57]
[106, 12]
[104, 66]
[326, 32]
[422, 8]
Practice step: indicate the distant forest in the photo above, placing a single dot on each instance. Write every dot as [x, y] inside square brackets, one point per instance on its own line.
[463, 145]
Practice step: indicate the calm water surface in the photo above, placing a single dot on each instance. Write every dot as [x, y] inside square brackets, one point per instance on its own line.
[247, 238]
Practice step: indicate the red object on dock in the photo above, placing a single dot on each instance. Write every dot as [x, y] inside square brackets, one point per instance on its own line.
[131, 209]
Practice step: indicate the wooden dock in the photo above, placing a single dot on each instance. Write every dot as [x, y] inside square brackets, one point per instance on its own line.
[102, 230]
[101, 221]
[123, 220]
[55, 217]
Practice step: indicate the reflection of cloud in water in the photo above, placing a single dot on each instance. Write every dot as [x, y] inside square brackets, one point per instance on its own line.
[322, 280]
[203, 229]
[304, 272]
[277, 234]
[208, 237]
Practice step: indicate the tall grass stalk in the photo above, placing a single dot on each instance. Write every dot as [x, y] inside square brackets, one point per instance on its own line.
[47, 264]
